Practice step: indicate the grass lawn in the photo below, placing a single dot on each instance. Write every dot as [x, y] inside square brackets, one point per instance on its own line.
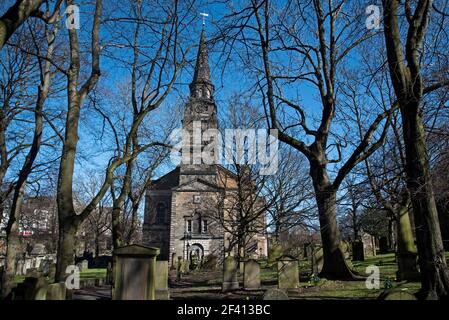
[84, 275]
[327, 289]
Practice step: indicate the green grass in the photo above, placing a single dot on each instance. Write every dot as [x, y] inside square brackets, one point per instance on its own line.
[93, 274]
[326, 289]
[84, 275]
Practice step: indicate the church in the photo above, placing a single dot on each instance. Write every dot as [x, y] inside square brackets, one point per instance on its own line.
[183, 215]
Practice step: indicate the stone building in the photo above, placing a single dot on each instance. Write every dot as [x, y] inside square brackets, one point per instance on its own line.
[182, 208]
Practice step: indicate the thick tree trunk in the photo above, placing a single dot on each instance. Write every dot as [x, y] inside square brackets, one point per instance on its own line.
[432, 262]
[334, 262]
[66, 248]
[15, 16]
[12, 248]
[406, 251]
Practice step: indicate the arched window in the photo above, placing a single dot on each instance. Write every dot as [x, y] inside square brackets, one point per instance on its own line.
[161, 210]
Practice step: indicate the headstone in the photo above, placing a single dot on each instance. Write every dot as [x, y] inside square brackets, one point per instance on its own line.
[38, 250]
[288, 273]
[230, 271]
[358, 253]
[251, 276]
[396, 294]
[210, 262]
[31, 287]
[41, 293]
[275, 294]
[407, 268]
[162, 292]
[383, 245]
[33, 273]
[19, 267]
[84, 265]
[56, 291]
[134, 273]
[369, 245]
[179, 269]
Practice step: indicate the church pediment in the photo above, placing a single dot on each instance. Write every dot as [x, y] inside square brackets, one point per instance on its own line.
[197, 184]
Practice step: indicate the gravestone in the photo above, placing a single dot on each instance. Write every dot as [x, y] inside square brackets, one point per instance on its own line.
[407, 268]
[33, 273]
[41, 293]
[84, 265]
[396, 294]
[275, 294]
[38, 250]
[369, 245]
[383, 245]
[230, 270]
[162, 292]
[288, 273]
[31, 288]
[56, 291]
[19, 267]
[251, 276]
[358, 253]
[179, 269]
[134, 273]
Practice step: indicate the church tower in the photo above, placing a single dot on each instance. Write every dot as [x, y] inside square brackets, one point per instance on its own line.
[200, 115]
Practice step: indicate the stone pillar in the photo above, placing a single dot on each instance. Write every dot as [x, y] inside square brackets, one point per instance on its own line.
[162, 292]
[134, 273]
[230, 270]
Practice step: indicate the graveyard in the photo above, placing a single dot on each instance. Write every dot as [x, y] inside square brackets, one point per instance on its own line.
[212, 150]
[258, 283]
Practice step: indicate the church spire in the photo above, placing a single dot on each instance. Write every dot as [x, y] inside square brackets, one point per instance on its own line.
[201, 86]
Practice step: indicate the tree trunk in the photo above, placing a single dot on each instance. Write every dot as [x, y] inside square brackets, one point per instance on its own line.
[15, 16]
[66, 247]
[334, 262]
[97, 243]
[116, 226]
[13, 247]
[432, 262]
[406, 251]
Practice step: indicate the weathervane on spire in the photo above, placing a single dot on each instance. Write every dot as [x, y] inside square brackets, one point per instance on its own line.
[205, 15]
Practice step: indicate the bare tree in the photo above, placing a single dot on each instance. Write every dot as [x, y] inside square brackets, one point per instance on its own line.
[12, 229]
[406, 63]
[309, 43]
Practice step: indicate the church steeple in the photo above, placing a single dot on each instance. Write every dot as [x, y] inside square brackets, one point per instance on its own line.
[200, 115]
[201, 86]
